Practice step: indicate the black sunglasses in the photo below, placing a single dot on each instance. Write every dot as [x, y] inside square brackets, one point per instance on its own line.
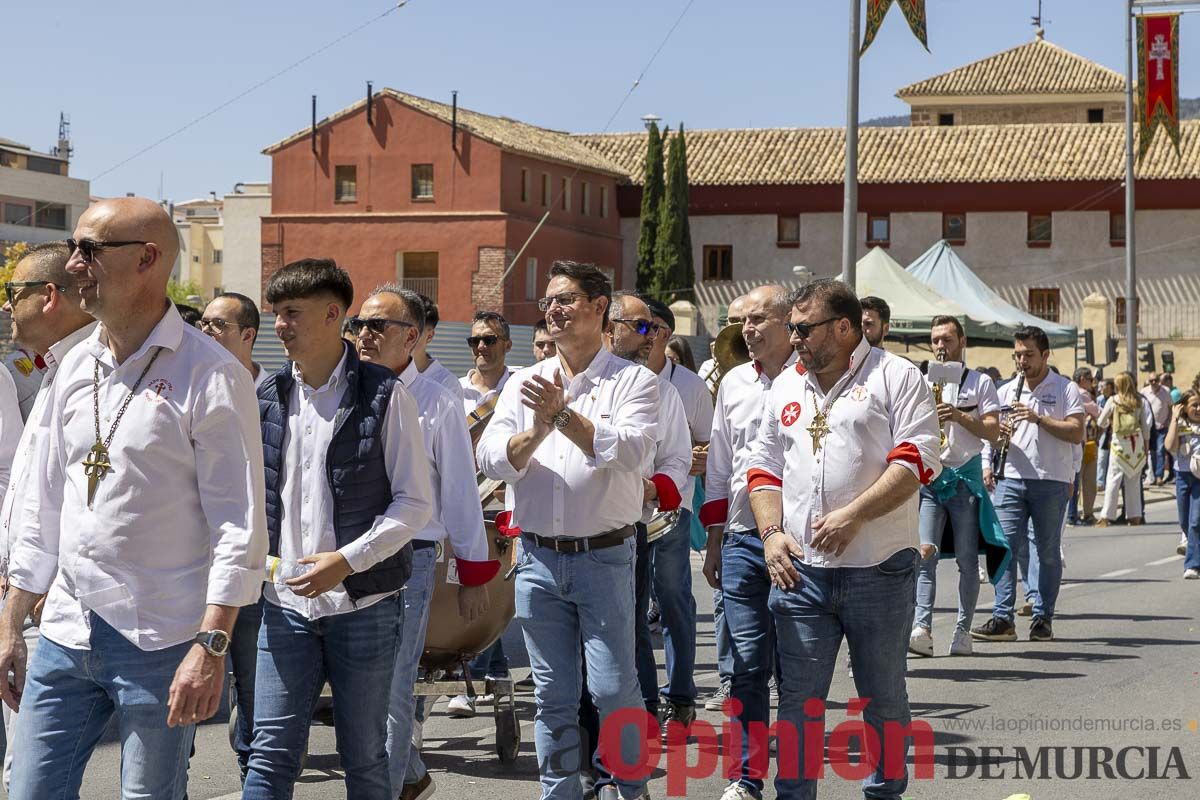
[803, 330]
[641, 326]
[13, 288]
[376, 325]
[490, 340]
[89, 248]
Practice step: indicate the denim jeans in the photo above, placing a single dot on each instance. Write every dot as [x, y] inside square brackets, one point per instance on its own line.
[1073, 503]
[10, 717]
[671, 577]
[70, 696]
[491, 663]
[404, 759]
[872, 607]
[243, 663]
[1187, 499]
[1158, 459]
[747, 590]
[356, 653]
[963, 511]
[1042, 504]
[721, 635]
[561, 599]
[647, 667]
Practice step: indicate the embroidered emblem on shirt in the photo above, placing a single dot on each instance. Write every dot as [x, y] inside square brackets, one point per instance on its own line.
[159, 389]
[24, 365]
[858, 393]
[790, 413]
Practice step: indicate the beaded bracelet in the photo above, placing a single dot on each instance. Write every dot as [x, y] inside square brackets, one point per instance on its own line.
[769, 531]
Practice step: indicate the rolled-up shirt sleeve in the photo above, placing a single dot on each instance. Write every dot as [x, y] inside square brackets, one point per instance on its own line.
[412, 498]
[229, 471]
[33, 561]
[624, 441]
[507, 422]
[764, 468]
[916, 438]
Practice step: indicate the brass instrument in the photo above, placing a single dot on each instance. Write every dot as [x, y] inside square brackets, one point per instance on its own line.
[938, 388]
[729, 351]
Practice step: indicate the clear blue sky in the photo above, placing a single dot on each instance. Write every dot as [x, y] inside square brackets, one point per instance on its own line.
[129, 72]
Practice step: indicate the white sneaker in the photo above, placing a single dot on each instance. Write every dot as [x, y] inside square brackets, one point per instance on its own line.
[1181, 548]
[961, 645]
[921, 641]
[983, 576]
[461, 707]
[735, 791]
[1191, 574]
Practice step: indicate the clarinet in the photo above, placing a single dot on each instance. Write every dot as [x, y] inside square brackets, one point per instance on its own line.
[1004, 446]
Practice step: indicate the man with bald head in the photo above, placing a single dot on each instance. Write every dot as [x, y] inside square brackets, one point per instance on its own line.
[147, 527]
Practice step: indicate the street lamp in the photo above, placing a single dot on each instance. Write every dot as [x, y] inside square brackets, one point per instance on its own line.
[802, 273]
[650, 119]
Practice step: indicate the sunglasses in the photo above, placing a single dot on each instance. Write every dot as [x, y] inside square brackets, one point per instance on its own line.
[641, 326]
[490, 340]
[13, 288]
[217, 324]
[803, 330]
[563, 299]
[376, 325]
[89, 249]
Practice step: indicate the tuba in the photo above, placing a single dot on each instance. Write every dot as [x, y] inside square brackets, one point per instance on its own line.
[729, 351]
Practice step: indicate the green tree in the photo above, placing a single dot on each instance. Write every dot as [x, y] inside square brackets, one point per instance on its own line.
[12, 254]
[686, 277]
[652, 195]
[669, 253]
[179, 292]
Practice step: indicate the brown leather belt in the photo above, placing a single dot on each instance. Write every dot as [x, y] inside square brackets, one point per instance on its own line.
[567, 545]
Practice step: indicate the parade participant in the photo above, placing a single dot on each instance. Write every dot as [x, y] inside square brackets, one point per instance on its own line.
[877, 320]
[733, 562]
[670, 555]
[1183, 441]
[427, 364]
[490, 341]
[1107, 390]
[347, 488]
[26, 369]
[958, 500]
[1159, 398]
[146, 527]
[388, 327]
[679, 351]
[46, 318]
[233, 319]
[733, 316]
[1129, 415]
[570, 436]
[1046, 421]
[1084, 493]
[851, 433]
[543, 342]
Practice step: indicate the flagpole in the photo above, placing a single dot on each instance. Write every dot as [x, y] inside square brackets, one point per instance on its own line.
[1131, 307]
[850, 202]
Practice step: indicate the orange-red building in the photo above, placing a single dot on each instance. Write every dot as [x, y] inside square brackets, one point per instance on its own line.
[441, 200]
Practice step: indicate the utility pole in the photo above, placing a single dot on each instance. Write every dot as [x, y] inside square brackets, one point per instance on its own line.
[850, 202]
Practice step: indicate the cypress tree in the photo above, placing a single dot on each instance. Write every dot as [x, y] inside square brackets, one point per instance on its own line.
[652, 195]
[669, 247]
[686, 277]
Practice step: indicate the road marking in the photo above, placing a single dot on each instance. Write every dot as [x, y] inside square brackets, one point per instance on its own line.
[1116, 573]
[1162, 561]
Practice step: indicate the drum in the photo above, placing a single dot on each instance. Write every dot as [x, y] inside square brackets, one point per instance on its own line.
[661, 524]
[450, 640]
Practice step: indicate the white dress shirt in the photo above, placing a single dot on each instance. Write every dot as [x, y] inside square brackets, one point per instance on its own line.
[263, 375]
[883, 415]
[706, 369]
[473, 398]
[11, 425]
[25, 370]
[29, 460]
[562, 491]
[978, 393]
[177, 523]
[440, 375]
[672, 455]
[306, 525]
[457, 512]
[1160, 405]
[1033, 453]
[736, 422]
[697, 405]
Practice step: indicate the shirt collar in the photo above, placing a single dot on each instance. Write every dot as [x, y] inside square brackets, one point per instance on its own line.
[861, 352]
[595, 370]
[336, 378]
[59, 349]
[409, 373]
[167, 334]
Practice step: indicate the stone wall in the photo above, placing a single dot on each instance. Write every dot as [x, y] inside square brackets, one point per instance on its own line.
[1019, 114]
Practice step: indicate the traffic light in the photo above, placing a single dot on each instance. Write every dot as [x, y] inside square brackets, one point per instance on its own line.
[1087, 344]
[1168, 361]
[1146, 357]
[1111, 348]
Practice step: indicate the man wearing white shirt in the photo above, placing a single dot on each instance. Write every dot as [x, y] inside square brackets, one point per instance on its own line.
[347, 489]
[490, 341]
[46, 318]
[232, 319]
[847, 438]
[1047, 423]
[387, 327]
[429, 366]
[570, 436]
[958, 500]
[148, 536]
[733, 562]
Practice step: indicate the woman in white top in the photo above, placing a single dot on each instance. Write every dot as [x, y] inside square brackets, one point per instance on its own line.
[1128, 414]
[1183, 442]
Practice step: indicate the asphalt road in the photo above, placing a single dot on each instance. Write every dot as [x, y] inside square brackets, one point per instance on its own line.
[1122, 674]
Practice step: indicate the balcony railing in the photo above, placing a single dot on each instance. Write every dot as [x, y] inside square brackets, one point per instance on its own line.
[426, 286]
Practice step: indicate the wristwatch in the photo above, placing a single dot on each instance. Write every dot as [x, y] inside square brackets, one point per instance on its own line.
[215, 642]
[562, 419]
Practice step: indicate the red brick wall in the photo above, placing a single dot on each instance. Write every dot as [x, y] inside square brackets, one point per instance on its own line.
[487, 286]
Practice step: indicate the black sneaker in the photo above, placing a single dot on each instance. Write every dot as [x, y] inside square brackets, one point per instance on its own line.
[669, 712]
[995, 630]
[1040, 630]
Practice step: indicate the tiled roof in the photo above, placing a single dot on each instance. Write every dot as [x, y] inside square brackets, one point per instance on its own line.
[929, 154]
[1034, 68]
[508, 134]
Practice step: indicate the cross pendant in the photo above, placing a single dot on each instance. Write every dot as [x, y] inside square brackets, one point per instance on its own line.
[94, 467]
[817, 429]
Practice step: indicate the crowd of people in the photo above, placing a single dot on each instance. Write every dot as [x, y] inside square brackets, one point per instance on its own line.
[173, 510]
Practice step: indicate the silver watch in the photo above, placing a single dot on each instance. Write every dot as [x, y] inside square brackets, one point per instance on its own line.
[215, 642]
[562, 419]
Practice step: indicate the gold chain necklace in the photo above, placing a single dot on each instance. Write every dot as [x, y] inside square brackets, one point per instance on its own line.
[97, 462]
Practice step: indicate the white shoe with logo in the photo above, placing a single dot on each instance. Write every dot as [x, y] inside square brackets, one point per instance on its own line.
[961, 645]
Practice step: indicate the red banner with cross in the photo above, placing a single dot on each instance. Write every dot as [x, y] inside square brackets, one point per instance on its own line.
[1158, 79]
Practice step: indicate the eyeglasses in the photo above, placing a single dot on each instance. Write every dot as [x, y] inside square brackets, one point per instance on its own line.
[13, 288]
[490, 340]
[217, 324]
[563, 299]
[643, 327]
[375, 325]
[803, 330]
[88, 248]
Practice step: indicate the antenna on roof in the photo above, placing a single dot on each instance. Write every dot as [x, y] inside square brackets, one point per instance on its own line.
[370, 106]
[1038, 29]
[454, 120]
[63, 149]
[314, 124]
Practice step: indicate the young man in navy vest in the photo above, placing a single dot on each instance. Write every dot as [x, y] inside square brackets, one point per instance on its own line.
[346, 492]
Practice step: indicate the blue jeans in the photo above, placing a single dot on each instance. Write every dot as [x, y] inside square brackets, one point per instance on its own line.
[963, 511]
[491, 663]
[747, 590]
[1073, 503]
[561, 599]
[872, 607]
[647, 667]
[1187, 498]
[671, 571]
[721, 635]
[1040, 503]
[70, 696]
[404, 760]
[243, 663]
[356, 653]
[1158, 458]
